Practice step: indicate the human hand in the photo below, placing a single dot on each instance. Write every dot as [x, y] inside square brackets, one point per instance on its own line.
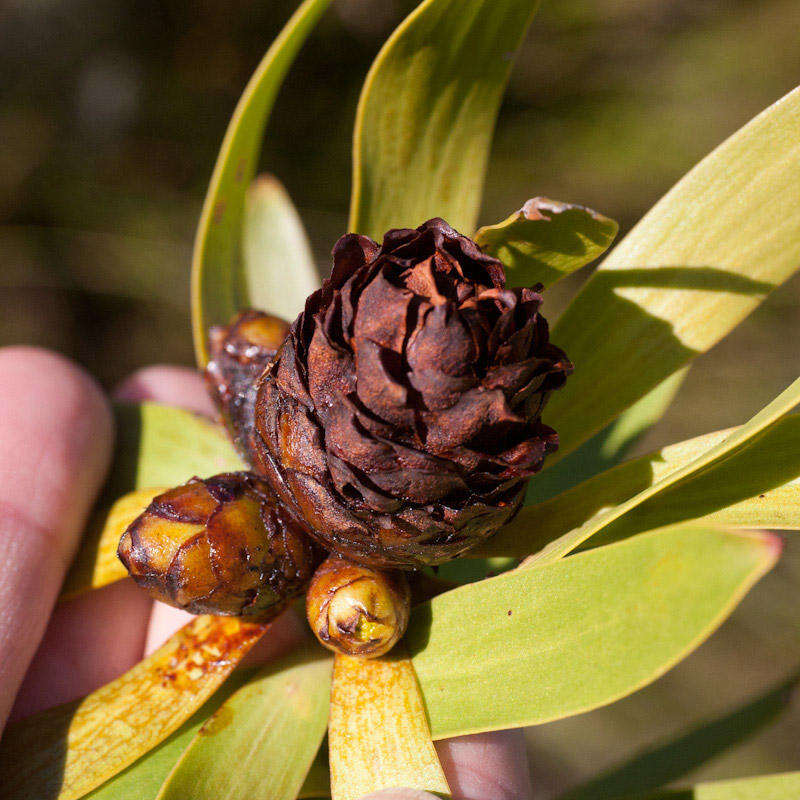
[56, 437]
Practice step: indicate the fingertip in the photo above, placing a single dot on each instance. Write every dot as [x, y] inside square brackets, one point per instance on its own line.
[400, 794]
[175, 386]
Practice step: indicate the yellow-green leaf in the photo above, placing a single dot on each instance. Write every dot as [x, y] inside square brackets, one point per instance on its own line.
[785, 786]
[157, 446]
[278, 269]
[536, 645]
[732, 445]
[219, 286]
[96, 563]
[427, 112]
[260, 744]
[546, 240]
[756, 488]
[666, 762]
[695, 266]
[67, 751]
[378, 735]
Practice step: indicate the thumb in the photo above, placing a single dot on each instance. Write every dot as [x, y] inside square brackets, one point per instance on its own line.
[400, 794]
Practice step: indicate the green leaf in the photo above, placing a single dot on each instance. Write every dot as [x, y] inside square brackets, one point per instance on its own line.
[667, 762]
[143, 779]
[278, 269]
[734, 444]
[547, 240]
[65, 752]
[697, 264]
[427, 112]
[379, 737]
[262, 741]
[219, 285]
[754, 488]
[157, 446]
[536, 645]
[785, 786]
[607, 448]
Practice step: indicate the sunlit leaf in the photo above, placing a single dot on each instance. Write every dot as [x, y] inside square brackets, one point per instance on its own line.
[694, 267]
[219, 285]
[427, 112]
[156, 446]
[143, 779]
[665, 763]
[546, 240]
[262, 741]
[736, 443]
[97, 564]
[785, 786]
[559, 639]
[67, 751]
[609, 447]
[378, 735]
[755, 488]
[278, 269]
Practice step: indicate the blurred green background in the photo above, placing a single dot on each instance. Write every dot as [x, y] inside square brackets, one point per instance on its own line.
[110, 118]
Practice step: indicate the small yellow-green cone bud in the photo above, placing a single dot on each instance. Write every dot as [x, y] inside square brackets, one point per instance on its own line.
[357, 610]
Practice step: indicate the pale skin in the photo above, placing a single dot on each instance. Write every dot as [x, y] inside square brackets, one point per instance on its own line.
[56, 439]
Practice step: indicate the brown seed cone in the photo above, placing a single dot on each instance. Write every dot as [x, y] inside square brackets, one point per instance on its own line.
[357, 610]
[401, 417]
[220, 546]
[239, 353]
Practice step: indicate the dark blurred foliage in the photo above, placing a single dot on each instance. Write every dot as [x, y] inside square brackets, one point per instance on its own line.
[111, 114]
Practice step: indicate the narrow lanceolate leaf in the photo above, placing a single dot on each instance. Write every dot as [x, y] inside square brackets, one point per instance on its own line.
[378, 736]
[278, 269]
[156, 446]
[757, 487]
[219, 287]
[736, 443]
[697, 264]
[609, 447]
[672, 760]
[785, 786]
[546, 240]
[67, 751]
[143, 779]
[261, 743]
[427, 112]
[97, 564]
[536, 645]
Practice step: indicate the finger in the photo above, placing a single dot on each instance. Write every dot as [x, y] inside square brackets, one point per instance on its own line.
[56, 434]
[484, 766]
[487, 766]
[175, 386]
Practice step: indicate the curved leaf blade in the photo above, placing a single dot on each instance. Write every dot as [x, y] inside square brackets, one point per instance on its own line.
[667, 762]
[96, 564]
[695, 266]
[784, 786]
[277, 269]
[734, 444]
[157, 445]
[531, 646]
[756, 488]
[219, 287]
[378, 735]
[67, 751]
[546, 240]
[427, 111]
[260, 744]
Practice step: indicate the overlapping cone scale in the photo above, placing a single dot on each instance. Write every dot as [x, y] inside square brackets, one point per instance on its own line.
[401, 417]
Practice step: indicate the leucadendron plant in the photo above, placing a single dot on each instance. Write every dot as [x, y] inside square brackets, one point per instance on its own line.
[404, 415]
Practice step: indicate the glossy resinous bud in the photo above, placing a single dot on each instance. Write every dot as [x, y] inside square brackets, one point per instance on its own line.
[219, 546]
[357, 610]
